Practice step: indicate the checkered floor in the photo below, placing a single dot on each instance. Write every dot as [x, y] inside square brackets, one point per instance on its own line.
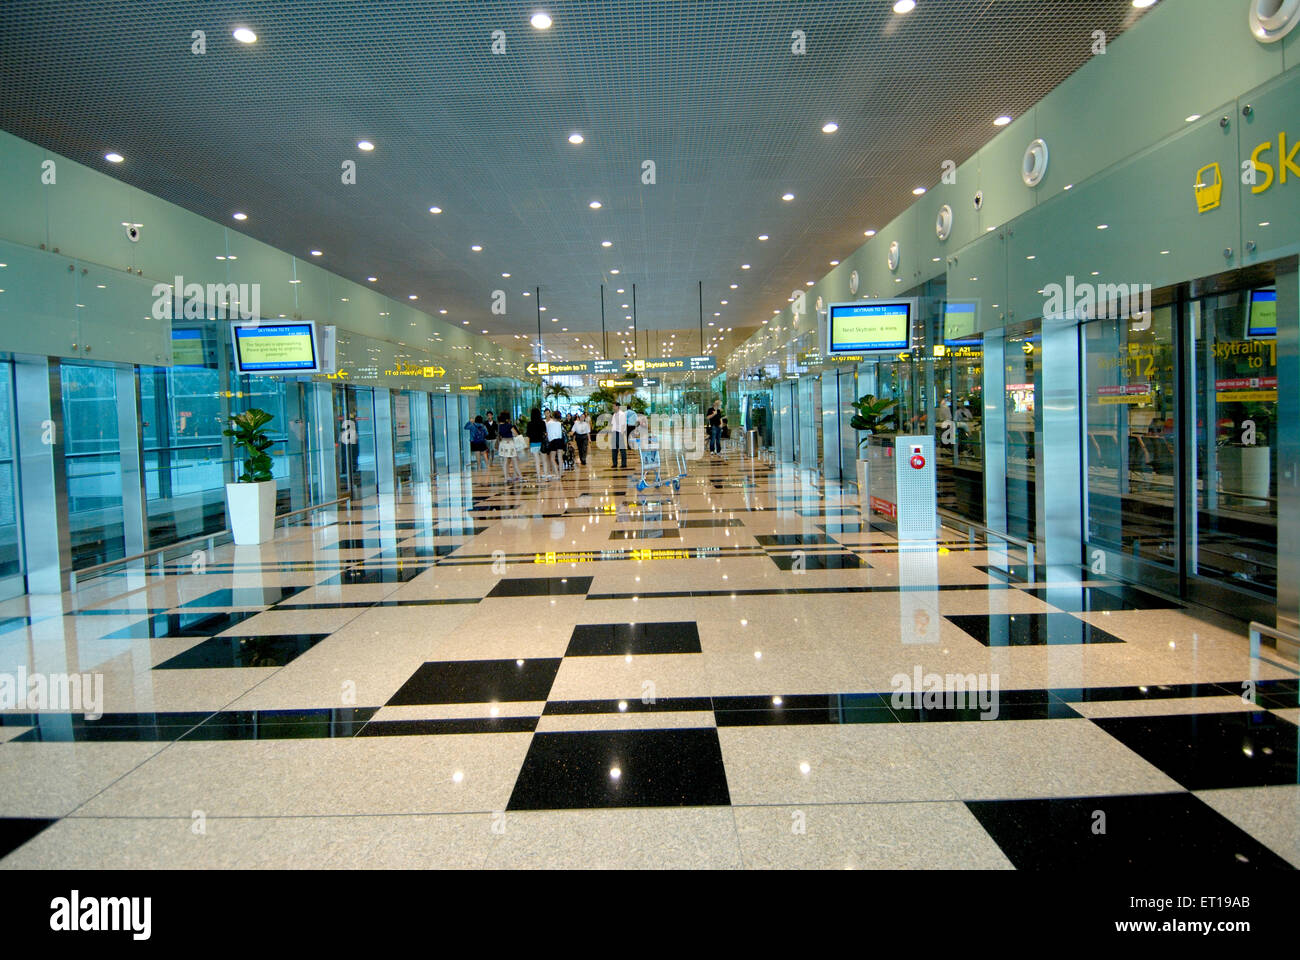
[746, 673]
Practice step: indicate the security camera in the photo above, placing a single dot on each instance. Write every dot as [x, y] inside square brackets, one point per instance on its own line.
[979, 199]
[133, 232]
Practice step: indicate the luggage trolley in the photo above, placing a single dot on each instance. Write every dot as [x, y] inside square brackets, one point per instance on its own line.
[650, 453]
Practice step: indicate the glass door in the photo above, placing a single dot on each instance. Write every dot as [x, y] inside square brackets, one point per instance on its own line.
[93, 464]
[1022, 419]
[1234, 417]
[355, 412]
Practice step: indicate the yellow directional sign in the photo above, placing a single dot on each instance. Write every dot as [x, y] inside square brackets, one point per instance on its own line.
[538, 368]
[471, 386]
[434, 373]
[618, 384]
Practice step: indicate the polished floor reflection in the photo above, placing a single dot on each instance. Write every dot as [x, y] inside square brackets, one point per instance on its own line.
[573, 673]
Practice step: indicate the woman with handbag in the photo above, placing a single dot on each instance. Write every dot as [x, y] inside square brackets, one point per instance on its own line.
[508, 447]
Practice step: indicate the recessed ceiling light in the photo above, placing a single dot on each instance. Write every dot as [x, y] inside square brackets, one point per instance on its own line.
[244, 35]
[372, 279]
[615, 270]
[762, 236]
[744, 266]
[541, 20]
[735, 286]
[412, 297]
[435, 209]
[1193, 118]
[575, 138]
[316, 253]
[1143, 4]
[830, 127]
[808, 283]
[905, 6]
[365, 145]
[114, 157]
[868, 233]
[443, 312]
[1103, 226]
[835, 263]
[240, 216]
[595, 204]
[917, 191]
[1002, 121]
[787, 197]
[477, 248]
[606, 243]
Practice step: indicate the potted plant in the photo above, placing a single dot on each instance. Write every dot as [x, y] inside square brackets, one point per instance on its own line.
[250, 502]
[871, 416]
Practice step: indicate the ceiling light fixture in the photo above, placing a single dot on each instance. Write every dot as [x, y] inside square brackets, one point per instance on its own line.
[435, 209]
[595, 204]
[541, 20]
[830, 127]
[575, 138]
[244, 35]
[114, 157]
[787, 197]
[905, 6]
[240, 216]
[1002, 121]
[365, 145]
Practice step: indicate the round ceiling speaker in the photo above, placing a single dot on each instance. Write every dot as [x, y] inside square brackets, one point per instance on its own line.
[1271, 20]
[1034, 167]
[853, 282]
[895, 255]
[943, 224]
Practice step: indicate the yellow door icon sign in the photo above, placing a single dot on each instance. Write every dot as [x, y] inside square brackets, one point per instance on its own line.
[1209, 187]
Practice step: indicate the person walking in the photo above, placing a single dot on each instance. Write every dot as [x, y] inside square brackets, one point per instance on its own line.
[508, 448]
[491, 426]
[582, 436]
[537, 440]
[555, 444]
[618, 436]
[713, 419]
[478, 441]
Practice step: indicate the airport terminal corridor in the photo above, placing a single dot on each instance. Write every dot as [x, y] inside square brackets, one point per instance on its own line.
[577, 673]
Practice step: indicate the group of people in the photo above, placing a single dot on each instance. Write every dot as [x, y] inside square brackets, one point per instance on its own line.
[546, 436]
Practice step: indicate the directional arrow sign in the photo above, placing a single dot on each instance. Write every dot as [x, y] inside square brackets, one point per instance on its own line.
[434, 372]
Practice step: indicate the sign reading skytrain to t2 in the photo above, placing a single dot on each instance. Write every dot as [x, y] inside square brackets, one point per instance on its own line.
[553, 368]
[869, 326]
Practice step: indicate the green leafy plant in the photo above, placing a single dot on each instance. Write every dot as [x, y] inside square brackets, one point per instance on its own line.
[247, 428]
[557, 391]
[871, 415]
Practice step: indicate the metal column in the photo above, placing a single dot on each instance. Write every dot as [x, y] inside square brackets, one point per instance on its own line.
[1059, 502]
[995, 430]
[385, 468]
[38, 413]
[1288, 453]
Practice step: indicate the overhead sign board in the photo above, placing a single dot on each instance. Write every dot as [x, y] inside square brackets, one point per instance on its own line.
[553, 368]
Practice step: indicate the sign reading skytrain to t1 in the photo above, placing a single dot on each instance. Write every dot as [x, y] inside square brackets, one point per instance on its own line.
[553, 368]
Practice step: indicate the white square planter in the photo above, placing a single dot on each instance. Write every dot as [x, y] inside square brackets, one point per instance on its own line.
[250, 508]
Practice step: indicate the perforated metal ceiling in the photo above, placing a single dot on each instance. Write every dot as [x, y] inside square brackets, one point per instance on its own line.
[711, 92]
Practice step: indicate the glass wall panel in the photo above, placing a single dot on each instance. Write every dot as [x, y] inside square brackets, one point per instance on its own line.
[1022, 418]
[11, 552]
[93, 459]
[1235, 416]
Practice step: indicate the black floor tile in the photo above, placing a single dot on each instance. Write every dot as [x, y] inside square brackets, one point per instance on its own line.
[831, 512]
[376, 573]
[1091, 599]
[8, 624]
[1164, 832]
[269, 651]
[819, 561]
[621, 639]
[1204, 751]
[540, 587]
[622, 768]
[244, 597]
[1050, 710]
[709, 524]
[661, 705]
[647, 533]
[366, 544]
[419, 728]
[416, 553]
[478, 681]
[1155, 691]
[841, 527]
[793, 539]
[1030, 629]
[166, 626]
[308, 724]
[15, 831]
[454, 530]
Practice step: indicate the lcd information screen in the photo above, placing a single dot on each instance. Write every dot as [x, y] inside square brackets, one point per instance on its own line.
[1263, 314]
[869, 327]
[959, 324]
[276, 348]
[187, 347]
